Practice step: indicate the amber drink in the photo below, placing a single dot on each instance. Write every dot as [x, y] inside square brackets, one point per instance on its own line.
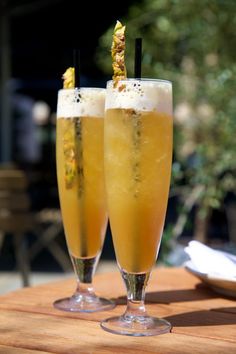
[80, 175]
[138, 157]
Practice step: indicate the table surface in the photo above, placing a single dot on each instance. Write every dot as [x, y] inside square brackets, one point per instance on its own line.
[203, 321]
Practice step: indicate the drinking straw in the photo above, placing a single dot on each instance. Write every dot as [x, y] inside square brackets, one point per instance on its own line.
[138, 58]
[76, 61]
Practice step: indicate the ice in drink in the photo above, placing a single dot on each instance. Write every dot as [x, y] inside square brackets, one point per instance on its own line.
[138, 156]
[80, 173]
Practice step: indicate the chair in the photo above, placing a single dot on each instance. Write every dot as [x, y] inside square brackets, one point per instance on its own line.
[17, 219]
[15, 216]
[48, 226]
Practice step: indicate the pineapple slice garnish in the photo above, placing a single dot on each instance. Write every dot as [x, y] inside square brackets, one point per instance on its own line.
[69, 151]
[118, 53]
[68, 127]
[69, 78]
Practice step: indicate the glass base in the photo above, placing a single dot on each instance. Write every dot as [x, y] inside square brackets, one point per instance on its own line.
[140, 326]
[81, 303]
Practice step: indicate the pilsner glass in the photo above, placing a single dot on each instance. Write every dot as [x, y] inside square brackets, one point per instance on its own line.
[137, 157]
[80, 175]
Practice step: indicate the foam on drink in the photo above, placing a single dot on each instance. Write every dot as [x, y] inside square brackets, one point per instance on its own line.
[145, 95]
[82, 102]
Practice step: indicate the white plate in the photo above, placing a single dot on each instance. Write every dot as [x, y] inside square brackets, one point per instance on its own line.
[221, 285]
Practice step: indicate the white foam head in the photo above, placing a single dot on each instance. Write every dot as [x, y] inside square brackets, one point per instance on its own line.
[141, 95]
[86, 101]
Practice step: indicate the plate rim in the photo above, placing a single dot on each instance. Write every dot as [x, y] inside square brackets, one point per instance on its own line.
[215, 283]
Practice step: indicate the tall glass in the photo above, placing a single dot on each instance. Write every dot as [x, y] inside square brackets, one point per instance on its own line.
[80, 175]
[138, 157]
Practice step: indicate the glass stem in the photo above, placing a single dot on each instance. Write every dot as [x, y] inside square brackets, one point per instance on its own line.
[84, 269]
[135, 285]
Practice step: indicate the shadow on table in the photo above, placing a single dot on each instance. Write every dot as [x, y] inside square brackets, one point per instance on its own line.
[225, 309]
[202, 318]
[173, 296]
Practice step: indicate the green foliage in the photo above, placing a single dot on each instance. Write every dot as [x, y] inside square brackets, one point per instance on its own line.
[166, 244]
[193, 44]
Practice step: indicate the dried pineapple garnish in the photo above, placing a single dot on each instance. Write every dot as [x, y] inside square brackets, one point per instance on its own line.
[118, 53]
[69, 148]
[69, 78]
[69, 151]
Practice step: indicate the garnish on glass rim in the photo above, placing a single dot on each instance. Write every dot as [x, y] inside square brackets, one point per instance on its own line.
[69, 78]
[118, 54]
[69, 146]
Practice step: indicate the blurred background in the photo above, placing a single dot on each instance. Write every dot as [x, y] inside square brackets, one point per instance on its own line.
[190, 42]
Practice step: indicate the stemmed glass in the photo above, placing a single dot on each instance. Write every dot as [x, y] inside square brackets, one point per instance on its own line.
[80, 175]
[138, 157]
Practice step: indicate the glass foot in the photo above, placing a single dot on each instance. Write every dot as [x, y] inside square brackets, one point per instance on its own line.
[136, 326]
[81, 303]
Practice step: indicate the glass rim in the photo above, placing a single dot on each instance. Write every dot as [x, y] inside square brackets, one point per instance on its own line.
[142, 79]
[82, 88]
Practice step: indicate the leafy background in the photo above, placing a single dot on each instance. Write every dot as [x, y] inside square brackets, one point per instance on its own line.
[193, 44]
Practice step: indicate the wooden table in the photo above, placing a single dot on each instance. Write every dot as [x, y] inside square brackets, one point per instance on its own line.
[203, 321]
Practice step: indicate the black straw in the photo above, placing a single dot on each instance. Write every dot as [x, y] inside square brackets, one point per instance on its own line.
[76, 61]
[138, 58]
